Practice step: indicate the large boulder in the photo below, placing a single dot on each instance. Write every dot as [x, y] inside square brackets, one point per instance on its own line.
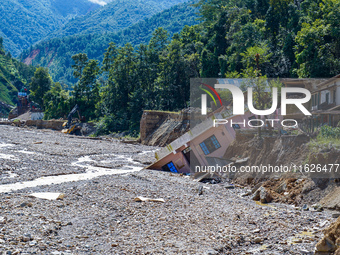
[331, 240]
[262, 195]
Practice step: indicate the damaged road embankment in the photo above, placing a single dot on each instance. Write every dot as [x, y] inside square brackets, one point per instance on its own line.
[289, 151]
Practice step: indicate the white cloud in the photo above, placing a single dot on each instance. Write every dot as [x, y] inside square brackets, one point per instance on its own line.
[100, 2]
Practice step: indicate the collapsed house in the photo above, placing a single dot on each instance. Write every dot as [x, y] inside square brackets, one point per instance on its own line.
[204, 144]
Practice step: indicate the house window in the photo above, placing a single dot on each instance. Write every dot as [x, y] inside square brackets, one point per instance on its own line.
[170, 167]
[210, 145]
[236, 126]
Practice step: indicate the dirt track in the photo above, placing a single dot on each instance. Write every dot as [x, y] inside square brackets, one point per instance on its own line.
[99, 215]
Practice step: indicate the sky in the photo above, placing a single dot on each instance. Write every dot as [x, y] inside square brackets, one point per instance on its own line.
[101, 2]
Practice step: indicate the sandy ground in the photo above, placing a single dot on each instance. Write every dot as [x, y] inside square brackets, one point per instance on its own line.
[98, 214]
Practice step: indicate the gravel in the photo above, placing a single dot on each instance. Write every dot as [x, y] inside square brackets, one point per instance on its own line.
[98, 214]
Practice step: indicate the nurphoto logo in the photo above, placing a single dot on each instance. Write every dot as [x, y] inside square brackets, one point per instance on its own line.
[238, 100]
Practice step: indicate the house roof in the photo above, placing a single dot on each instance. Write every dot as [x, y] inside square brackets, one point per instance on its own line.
[328, 84]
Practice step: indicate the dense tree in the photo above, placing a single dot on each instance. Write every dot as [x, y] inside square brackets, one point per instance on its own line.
[1, 45]
[14, 76]
[86, 90]
[41, 83]
[57, 103]
[318, 40]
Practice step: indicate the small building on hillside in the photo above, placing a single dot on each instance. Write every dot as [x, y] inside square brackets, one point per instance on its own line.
[325, 106]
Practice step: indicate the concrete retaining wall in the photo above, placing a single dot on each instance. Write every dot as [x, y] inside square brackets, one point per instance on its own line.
[151, 120]
[46, 124]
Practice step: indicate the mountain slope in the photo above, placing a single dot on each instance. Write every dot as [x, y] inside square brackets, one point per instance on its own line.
[56, 53]
[25, 22]
[14, 75]
[115, 16]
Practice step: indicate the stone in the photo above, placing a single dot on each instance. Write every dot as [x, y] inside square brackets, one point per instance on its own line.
[56, 253]
[256, 187]
[265, 196]
[304, 251]
[258, 239]
[230, 186]
[317, 207]
[25, 238]
[305, 208]
[336, 215]
[33, 243]
[325, 245]
[24, 204]
[282, 187]
[2, 220]
[200, 190]
[211, 252]
[246, 194]
[256, 195]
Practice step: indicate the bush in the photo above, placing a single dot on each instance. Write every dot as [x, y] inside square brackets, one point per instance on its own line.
[330, 132]
[111, 124]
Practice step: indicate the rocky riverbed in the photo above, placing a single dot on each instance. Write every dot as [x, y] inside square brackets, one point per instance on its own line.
[99, 180]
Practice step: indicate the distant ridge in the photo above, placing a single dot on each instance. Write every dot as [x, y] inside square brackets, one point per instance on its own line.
[56, 53]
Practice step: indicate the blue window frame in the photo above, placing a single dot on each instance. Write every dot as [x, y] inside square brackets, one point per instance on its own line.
[210, 145]
[170, 167]
[204, 148]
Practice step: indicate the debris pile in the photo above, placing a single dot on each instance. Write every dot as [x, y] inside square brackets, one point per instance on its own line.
[293, 188]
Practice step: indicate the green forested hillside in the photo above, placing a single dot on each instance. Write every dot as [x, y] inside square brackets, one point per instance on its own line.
[56, 53]
[25, 22]
[287, 38]
[14, 75]
[115, 16]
